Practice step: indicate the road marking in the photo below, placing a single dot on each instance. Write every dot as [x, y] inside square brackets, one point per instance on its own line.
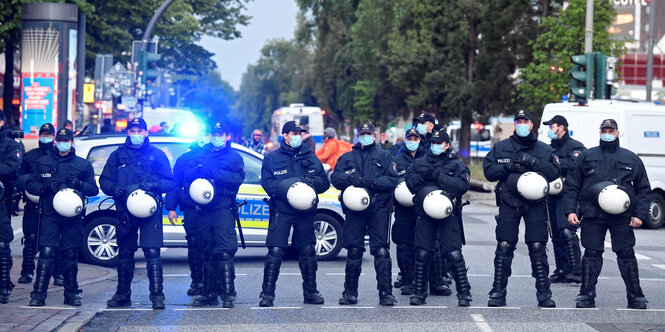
[652, 279]
[421, 307]
[340, 274]
[275, 308]
[177, 275]
[651, 310]
[660, 266]
[48, 308]
[478, 275]
[289, 273]
[569, 308]
[521, 276]
[642, 257]
[200, 309]
[481, 323]
[345, 307]
[127, 309]
[508, 308]
[163, 249]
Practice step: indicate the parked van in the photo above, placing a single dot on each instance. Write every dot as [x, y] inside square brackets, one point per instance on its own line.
[641, 130]
[481, 138]
[305, 115]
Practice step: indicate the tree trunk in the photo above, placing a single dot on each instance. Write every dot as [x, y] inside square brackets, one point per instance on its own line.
[8, 90]
[465, 114]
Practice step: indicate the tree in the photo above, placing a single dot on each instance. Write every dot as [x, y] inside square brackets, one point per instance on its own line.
[213, 99]
[562, 37]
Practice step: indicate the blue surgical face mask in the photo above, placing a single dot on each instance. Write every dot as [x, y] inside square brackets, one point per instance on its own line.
[436, 149]
[296, 141]
[63, 146]
[366, 140]
[218, 141]
[137, 139]
[607, 137]
[412, 145]
[551, 134]
[522, 130]
[46, 140]
[421, 128]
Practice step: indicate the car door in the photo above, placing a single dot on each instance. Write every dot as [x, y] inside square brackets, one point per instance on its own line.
[255, 214]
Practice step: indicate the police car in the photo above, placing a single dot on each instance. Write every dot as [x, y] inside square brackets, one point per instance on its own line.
[100, 245]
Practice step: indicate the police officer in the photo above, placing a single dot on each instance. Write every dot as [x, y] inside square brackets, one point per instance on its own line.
[405, 216]
[291, 163]
[372, 168]
[60, 169]
[10, 160]
[180, 197]
[564, 235]
[509, 158]
[439, 169]
[31, 209]
[137, 165]
[597, 167]
[224, 168]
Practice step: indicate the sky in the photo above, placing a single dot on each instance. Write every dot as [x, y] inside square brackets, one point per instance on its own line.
[271, 19]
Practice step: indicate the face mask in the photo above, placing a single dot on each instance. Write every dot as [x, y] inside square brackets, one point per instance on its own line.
[436, 149]
[421, 128]
[137, 139]
[551, 134]
[63, 146]
[412, 145]
[218, 141]
[46, 140]
[296, 140]
[607, 137]
[522, 130]
[366, 140]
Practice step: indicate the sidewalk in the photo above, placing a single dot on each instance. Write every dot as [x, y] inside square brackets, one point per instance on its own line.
[18, 316]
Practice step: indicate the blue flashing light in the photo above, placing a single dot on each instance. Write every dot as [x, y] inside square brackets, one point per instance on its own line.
[190, 129]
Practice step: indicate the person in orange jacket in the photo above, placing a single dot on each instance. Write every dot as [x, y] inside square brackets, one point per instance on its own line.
[330, 150]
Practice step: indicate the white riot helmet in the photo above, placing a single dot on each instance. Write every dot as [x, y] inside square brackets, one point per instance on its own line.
[613, 200]
[532, 186]
[437, 205]
[31, 197]
[356, 199]
[556, 187]
[201, 191]
[67, 203]
[403, 195]
[140, 204]
[301, 196]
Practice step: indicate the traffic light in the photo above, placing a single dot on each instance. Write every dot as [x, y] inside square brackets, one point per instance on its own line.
[581, 76]
[147, 66]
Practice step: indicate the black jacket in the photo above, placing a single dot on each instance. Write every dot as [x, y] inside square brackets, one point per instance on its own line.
[507, 151]
[54, 167]
[445, 171]
[372, 163]
[607, 162]
[27, 167]
[288, 163]
[567, 150]
[180, 194]
[10, 161]
[404, 159]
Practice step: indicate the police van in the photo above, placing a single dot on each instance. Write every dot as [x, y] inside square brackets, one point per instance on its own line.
[641, 130]
[311, 116]
[481, 138]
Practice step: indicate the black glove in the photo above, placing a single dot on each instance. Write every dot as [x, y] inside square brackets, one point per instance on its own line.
[118, 192]
[356, 181]
[367, 183]
[149, 185]
[527, 160]
[513, 167]
[52, 187]
[308, 181]
[423, 170]
[74, 183]
[16, 198]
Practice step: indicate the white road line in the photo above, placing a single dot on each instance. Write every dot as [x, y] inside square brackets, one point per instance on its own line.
[127, 309]
[478, 275]
[642, 257]
[650, 310]
[275, 308]
[289, 273]
[420, 307]
[345, 307]
[660, 266]
[200, 309]
[652, 279]
[570, 308]
[177, 275]
[481, 323]
[49, 308]
[508, 308]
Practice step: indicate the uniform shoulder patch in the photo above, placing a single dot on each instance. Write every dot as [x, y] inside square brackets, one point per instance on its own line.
[394, 166]
[556, 158]
[576, 154]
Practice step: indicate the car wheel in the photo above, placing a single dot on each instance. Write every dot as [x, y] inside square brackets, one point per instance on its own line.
[328, 232]
[100, 245]
[656, 212]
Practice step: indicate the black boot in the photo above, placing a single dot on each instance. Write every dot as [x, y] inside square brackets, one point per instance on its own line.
[406, 264]
[503, 258]
[383, 268]
[436, 285]
[592, 263]
[6, 285]
[458, 269]
[308, 267]
[398, 281]
[540, 270]
[155, 277]
[571, 244]
[71, 269]
[123, 293]
[195, 259]
[227, 275]
[270, 275]
[423, 258]
[210, 291]
[631, 277]
[58, 279]
[354, 259]
[45, 268]
[29, 253]
[560, 259]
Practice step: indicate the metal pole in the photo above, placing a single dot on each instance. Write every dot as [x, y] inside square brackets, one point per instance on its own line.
[80, 64]
[588, 30]
[652, 24]
[153, 22]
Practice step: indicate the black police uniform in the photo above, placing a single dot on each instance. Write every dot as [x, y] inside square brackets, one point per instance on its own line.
[225, 169]
[57, 233]
[516, 155]
[280, 169]
[448, 173]
[372, 168]
[608, 162]
[148, 168]
[403, 229]
[180, 197]
[10, 161]
[565, 242]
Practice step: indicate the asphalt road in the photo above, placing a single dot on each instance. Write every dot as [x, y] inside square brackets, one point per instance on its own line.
[440, 313]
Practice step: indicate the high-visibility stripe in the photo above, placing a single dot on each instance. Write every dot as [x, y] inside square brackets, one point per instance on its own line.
[263, 224]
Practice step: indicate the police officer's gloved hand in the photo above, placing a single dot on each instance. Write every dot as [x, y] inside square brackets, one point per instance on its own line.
[308, 181]
[422, 169]
[514, 167]
[149, 185]
[528, 160]
[16, 198]
[52, 187]
[368, 183]
[355, 181]
[118, 192]
[74, 183]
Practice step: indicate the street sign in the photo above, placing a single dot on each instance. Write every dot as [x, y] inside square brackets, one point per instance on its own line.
[88, 92]
[118, 81]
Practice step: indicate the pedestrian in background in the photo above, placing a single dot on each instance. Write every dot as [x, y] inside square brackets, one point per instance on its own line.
[255, 143]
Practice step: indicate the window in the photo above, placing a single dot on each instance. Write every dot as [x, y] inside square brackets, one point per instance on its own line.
[98, 156]
[252, 168]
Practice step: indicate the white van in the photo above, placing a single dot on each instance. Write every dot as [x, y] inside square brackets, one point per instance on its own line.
[305, 115]
[481, 138]
[640, 127]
